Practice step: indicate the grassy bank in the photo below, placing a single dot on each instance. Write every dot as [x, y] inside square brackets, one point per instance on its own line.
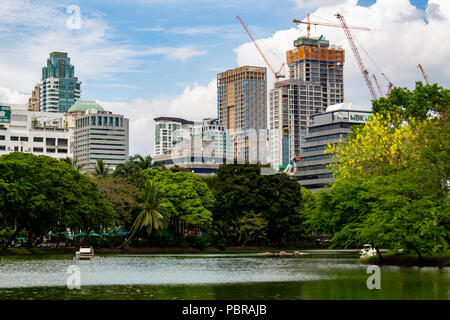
[408, 260]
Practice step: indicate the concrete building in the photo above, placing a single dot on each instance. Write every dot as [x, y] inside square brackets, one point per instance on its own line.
[315, 82]
[327, 128]
[59, 88]
[242, 110]
[98, 134]
[40, 133]
[35, 100]
[213, 130]
[170, 130]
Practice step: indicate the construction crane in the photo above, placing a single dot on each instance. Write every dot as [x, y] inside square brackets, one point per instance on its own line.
[378, 85]
[309, 23]
[346, 28]
[357, 56]
[424, 75]
[278, 73]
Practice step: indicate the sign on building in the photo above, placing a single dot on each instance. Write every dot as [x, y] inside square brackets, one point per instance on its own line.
[5, 114]
[359, 117]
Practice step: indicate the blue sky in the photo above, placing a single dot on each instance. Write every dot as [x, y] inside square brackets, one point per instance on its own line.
[150, 58]
[208, 26]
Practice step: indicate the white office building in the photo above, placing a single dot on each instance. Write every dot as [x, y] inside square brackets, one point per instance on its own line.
[40, 133]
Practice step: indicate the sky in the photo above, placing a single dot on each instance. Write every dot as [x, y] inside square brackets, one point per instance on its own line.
[151, 58]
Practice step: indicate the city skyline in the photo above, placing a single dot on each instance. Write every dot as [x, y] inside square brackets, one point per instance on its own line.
[167, 65]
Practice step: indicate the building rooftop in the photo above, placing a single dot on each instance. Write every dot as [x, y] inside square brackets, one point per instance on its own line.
[347, 106]
[180, 120]
[85, 105]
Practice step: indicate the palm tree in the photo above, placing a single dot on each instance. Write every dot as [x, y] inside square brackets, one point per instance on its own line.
[100, 169]
[152, 211]
[146, 162]
[73, 162]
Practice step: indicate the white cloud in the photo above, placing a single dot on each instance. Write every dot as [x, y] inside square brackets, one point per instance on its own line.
[195, 103]
[28, 36]
[313, 4]
[399, 40]
[10, 96]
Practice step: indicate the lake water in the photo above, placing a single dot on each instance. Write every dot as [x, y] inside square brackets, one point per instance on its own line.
[322, 274]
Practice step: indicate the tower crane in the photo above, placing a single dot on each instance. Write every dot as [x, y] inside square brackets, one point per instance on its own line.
[424, 75]
[309, 23]
[357, 56]
[278, 73]
[346, 28]
[378, 85]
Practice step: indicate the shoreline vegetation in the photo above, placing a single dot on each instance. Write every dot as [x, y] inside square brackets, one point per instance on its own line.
[389, 259]
[390, 191]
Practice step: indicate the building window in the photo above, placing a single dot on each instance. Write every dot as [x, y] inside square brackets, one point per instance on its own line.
[2, 148]
[38, 139]
[14, 138]
[16, 148]
[50, 141]
[2, 137]
[50, 150]
[23, 138]
[62, 142]
[38, 149]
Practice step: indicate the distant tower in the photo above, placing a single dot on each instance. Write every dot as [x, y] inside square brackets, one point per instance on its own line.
[60, 89]
[35, 100]
[315, 82]
[242, 105]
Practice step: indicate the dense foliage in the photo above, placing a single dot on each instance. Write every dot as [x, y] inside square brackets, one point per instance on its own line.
[241, 189]
[39, 194]
[392, 177]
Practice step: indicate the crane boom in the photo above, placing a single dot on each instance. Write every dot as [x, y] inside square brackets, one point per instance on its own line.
[357, 56]
[424, 75]
[277, 74]
[378, 85]
[309, 23]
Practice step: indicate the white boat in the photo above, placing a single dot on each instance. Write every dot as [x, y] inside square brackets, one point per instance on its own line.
[367, 251]
[85, 253]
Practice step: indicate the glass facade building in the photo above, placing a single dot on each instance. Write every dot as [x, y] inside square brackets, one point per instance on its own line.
[59, 88]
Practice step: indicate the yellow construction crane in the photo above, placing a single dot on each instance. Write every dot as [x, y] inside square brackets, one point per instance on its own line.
[278, 73]
[424, 75]
[309, 23]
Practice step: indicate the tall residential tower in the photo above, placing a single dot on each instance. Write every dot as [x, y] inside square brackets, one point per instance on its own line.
[242, 109]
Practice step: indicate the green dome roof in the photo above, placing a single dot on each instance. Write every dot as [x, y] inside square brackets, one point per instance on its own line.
[85, 105]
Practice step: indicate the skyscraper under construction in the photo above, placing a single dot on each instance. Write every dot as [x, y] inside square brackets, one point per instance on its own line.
[315, 82]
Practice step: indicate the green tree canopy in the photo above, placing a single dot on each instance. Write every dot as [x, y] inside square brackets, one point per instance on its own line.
[190, 199]
[40, 194]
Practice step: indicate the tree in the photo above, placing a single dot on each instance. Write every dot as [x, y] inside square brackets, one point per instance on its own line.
[190, 199]
[392, 177]
[152, 213]
[251, 226]
[241, 188]
[100, 169]
[404, 104]
[121, 194]
[135, 165]
[39, 194]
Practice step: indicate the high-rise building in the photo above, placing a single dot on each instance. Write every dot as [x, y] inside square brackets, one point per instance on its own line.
[59, 88]
[35, 99]
[170, 130]
[315, 82]
[326, 128]
[98, 134]
[242, 110]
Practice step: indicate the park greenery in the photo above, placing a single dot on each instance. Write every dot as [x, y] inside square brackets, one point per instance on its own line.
[391, 185]
[391, 190]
